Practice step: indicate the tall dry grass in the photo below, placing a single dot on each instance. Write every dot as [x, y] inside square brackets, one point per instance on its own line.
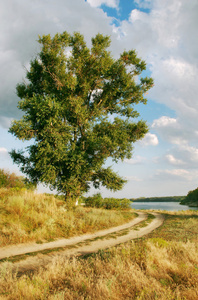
[163, 265]
[27, 216]
[152, 269]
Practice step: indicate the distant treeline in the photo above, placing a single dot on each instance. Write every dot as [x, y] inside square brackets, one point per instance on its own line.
[159, 199]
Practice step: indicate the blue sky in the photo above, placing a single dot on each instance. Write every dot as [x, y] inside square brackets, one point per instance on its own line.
[163, 32]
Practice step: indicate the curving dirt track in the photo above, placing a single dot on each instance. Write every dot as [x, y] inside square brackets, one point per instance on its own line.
[79, 245]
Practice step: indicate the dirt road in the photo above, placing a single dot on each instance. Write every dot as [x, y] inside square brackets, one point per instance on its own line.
[80, 245]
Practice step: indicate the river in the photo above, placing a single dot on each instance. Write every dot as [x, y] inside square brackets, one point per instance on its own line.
[170, 206]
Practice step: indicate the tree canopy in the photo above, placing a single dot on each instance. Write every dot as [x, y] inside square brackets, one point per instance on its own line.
[78, 106]
[191, 199]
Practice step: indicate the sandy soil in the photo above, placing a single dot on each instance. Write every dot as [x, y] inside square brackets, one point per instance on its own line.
[79, 245]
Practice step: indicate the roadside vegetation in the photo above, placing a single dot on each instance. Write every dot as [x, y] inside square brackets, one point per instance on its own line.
[163, 265]
[26, 216]
[14, 182]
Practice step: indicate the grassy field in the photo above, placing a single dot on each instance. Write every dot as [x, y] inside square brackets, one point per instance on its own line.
[162, 265]
[26, 216]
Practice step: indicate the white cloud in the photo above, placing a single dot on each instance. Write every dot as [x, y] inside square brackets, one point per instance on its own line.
[3, 150]
[138, 16]
[5, 122]
[4, 156]
[174, 161]
[164, 121]
[144, 3]
[165, 38]
[183, 155]
[109, 3]
[150, 139]
[133, 178]
[134, 161]
[95, 93]
[170, 130]
[179, 174]
[175, 84]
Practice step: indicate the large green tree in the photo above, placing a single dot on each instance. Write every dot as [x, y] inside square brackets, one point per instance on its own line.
[78, 106]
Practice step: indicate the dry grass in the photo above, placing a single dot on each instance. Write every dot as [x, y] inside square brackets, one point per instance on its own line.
[25, 216]
[147, 269]
[163, 265]
[179, 226]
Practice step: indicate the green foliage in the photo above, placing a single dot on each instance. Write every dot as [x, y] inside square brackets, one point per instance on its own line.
[11, 180]
[115, 203]
[191, 198]
[94, 201]
[107, 203]
[78, 107]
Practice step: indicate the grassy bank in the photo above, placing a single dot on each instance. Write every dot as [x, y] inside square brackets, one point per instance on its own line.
[26, 216]
[163, 265]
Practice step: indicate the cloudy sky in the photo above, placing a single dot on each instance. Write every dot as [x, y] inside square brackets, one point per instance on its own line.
[164, 33]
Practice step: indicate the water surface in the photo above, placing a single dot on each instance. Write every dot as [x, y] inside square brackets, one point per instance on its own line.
[170, 206]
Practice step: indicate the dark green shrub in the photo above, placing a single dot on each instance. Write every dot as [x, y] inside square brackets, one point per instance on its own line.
[111, 203]
[115, 203]
[107, 203]
[125, 203]
[94, 201]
